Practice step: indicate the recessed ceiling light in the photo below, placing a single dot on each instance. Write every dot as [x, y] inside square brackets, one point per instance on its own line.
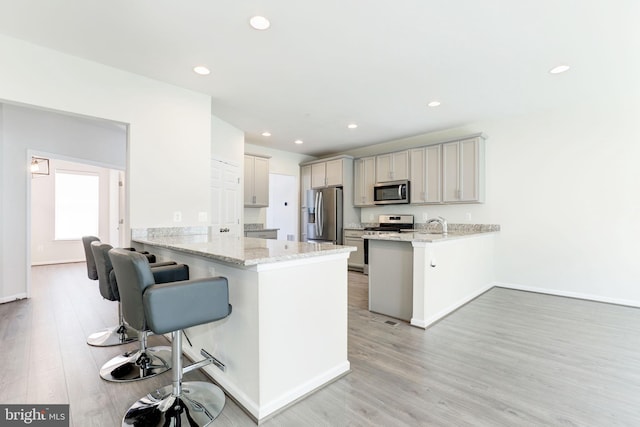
[202, 70]
[434, 104]
[259, 22]
[559, 69]
[298, 141]
[266, 133]
[352, 125]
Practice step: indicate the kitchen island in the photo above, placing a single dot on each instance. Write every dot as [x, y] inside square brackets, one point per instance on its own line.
[287, 334]
[425, 276]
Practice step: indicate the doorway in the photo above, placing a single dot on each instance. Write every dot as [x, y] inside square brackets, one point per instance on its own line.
[71, 200]
[283, 206]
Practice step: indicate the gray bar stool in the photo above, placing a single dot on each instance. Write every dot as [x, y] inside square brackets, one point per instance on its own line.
[172, 307]
[114, 335]
[147, 361]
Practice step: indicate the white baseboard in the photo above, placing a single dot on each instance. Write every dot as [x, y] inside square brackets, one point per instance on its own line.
[12, 298]
[578, 295]
[260, 412]
[424, 323]
[68, 261]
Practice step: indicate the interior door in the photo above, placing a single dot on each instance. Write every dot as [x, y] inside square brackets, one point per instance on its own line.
[226, 200]
[283, 207]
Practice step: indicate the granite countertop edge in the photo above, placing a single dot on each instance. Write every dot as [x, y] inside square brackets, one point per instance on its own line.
[411, 237]
[247, 261]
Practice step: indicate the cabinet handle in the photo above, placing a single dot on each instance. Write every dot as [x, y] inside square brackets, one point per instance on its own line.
[254, 200]
[459, 194]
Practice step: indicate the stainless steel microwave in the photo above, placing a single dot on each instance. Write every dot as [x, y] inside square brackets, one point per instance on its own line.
[391, 193]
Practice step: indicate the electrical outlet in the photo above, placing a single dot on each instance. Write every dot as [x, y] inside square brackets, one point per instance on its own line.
[425, 216]
[177, 216]
[202, 216]
[468, 216]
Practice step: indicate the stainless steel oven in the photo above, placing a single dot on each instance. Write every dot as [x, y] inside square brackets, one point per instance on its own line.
[391, 193]
[386, 224]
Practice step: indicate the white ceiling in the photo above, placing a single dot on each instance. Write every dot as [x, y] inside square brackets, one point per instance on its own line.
[325, 64]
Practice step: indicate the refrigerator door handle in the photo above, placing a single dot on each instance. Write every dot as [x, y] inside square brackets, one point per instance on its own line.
[320, 211]
[317, 227]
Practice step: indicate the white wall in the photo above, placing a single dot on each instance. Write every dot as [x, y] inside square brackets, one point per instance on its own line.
[169, 141]
[563, 185]
[227, 142]
[44, 248]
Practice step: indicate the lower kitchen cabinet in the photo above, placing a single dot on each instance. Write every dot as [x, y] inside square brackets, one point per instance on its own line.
[354, 238]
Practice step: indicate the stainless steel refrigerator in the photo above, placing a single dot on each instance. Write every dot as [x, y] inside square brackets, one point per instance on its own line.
[324, 215]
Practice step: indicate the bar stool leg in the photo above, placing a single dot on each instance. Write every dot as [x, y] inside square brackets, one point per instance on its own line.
[194, 404]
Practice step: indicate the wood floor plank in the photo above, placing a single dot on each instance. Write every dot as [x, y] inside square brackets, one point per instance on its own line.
[508, 358]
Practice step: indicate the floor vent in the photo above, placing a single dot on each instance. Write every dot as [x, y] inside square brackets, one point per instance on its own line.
[391, 322]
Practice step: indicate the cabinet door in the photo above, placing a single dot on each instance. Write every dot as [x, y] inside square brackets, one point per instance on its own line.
[469, 172]
[356, 259]
[364, 180]
[400, 165]
[418, 175]
[318, 175]
[433, 187]
[249, 180]
[334, 172]
[461, 171]
[261, 181]
[450, 172]
[392, 166]
[384, 168]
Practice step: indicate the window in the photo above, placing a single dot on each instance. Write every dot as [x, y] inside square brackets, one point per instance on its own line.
[77, 205]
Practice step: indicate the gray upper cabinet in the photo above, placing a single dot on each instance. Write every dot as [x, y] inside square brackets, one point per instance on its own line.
[327, 174]
[364, 178]
[256, 181]
[463, 171]
[425, 180]
[392, 166]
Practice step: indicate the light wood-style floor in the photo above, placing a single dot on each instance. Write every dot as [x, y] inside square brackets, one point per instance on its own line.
[508, 358]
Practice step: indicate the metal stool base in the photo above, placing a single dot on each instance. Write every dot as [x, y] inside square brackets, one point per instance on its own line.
[128, 367]
[115, 335]
[198, 405]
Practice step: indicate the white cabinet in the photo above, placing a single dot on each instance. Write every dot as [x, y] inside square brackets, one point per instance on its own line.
[463, 171]
[256, 181]
[353, 237]
[327, 174]
[364, 178]
[425, 179]
[392, 166]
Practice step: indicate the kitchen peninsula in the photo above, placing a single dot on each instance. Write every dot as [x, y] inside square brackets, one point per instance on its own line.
[287, 334]
[421, 277]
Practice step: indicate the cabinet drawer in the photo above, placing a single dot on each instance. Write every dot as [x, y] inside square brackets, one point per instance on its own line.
[260, 234]
[353, 233]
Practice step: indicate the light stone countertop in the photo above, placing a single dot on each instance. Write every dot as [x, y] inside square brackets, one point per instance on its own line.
[425, 237]
[243, 251]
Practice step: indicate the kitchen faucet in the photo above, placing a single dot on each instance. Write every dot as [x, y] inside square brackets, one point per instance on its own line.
[441, 221]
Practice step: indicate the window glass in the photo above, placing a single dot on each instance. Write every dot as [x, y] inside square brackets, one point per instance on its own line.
[76, 200]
